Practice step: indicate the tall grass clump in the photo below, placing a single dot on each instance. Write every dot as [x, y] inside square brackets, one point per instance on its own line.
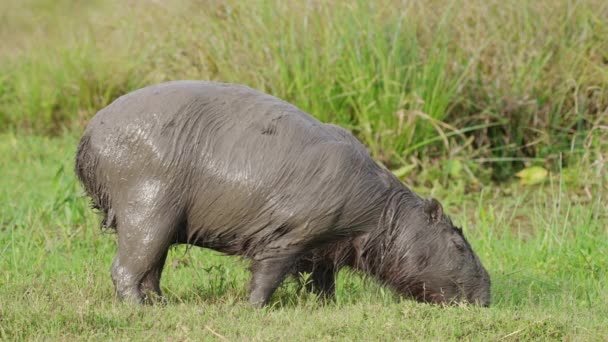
[357, 68]
[491, 83]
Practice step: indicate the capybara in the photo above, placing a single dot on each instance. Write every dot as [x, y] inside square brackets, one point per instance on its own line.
[226, 167]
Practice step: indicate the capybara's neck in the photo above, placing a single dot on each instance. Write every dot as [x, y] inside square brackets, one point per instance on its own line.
[380, 251]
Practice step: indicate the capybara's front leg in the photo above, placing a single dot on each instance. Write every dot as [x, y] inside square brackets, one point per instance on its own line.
[266, 276]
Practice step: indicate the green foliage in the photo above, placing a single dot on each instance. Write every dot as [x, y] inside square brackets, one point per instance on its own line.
[506, 85]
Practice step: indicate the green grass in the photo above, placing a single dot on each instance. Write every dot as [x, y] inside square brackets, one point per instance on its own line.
[546, 248]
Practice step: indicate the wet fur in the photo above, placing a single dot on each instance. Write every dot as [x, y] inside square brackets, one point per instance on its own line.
[226, 167]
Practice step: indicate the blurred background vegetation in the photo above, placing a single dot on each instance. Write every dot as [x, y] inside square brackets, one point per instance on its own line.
[477, 89]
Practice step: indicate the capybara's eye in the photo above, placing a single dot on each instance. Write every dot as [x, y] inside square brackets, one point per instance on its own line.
[459, 246]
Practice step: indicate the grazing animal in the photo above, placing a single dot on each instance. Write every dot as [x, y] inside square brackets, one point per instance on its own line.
[226, 167]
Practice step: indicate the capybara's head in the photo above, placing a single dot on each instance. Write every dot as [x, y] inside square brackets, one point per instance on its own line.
[424, 256]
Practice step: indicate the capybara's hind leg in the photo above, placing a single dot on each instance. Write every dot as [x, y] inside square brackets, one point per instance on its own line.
[126, 280]
[145, 232]
[266, 275]
[138, 262]
[150, 285]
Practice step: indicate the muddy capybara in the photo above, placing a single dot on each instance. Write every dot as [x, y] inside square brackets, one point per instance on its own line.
[226, 167]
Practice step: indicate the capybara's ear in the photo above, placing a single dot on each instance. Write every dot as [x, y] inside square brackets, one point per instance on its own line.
[433, 210]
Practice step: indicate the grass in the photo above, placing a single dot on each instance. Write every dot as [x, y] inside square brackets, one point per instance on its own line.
[545, 247]
[450, 94]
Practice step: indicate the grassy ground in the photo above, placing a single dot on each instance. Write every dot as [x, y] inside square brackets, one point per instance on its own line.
[450, 94]
[546, 248]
